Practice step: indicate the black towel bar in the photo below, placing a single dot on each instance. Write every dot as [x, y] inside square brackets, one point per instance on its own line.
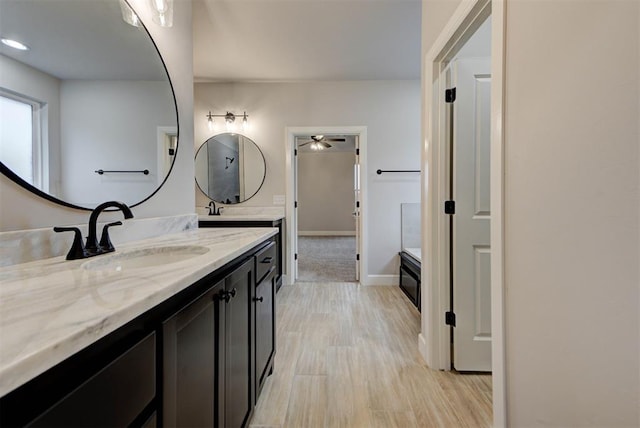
[102, 171]
[380, 171]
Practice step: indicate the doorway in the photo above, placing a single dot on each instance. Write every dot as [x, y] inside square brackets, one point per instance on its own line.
[326, 208]
[439, 187]
[325, 242]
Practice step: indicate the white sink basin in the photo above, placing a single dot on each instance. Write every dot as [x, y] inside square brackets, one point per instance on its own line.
[148, 257]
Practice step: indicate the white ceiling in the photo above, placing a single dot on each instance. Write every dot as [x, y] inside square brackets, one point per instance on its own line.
[79, 39]
[306, 40]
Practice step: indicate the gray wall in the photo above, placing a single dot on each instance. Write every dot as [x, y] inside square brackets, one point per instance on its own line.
[389, 109]
[325, 192]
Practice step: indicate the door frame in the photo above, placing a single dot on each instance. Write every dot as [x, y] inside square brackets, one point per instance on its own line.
[434, 340]
[291, 132]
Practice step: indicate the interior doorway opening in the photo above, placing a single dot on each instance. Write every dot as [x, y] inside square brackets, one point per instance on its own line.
[325, 209]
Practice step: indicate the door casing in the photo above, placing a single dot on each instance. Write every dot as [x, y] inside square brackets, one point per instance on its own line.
[434, 339]
[291, 227]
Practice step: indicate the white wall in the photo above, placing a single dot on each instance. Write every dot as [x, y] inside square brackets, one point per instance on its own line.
[19, 209]
[138, 108]
[325, 192]
[44, 88]
[571, 210]
[389, 109]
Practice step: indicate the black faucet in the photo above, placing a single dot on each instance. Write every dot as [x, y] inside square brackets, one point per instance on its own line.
[212, 209]
[79, 251]
[92, 246]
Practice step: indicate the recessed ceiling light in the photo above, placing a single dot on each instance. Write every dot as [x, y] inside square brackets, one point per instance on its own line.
[15, 44]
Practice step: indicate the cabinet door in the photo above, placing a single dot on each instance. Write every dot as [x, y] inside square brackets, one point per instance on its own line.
[265, 328]
[237, 352]
[189, 366]
[114, 396]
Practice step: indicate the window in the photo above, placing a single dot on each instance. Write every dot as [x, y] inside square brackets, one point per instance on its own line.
[20, 140]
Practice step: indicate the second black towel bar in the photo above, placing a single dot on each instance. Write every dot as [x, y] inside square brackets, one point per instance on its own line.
[380, 171]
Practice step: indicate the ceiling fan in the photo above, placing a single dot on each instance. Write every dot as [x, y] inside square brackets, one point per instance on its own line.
[319, 142]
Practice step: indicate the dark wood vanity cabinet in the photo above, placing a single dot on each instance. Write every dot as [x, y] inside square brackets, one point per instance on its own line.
[189, 368]
[207, 356]
[236, 364]
[198, 359]
[265, 329]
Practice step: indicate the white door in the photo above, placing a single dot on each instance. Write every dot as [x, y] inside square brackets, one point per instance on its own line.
[471, 238]
[356, 208]
[294, 241]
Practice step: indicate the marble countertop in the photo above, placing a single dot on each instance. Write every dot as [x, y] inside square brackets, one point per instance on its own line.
[241, 217]
[416, 253]
[52, 308]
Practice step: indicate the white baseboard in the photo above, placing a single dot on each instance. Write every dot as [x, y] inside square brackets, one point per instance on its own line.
[388, 280]
[286, 279]
[326, 233]
[422, 347]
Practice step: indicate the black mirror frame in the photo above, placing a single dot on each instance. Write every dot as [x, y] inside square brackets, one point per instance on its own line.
[264, 175]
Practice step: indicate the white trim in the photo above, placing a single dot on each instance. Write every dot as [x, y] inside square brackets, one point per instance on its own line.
[326, 233]
[498, 324]
[290, 141]
[162, 157]
[433, 342]
[385, 280]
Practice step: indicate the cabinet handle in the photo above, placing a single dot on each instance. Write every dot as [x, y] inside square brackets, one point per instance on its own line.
[258, 299]
[267, 260]
[232, 293]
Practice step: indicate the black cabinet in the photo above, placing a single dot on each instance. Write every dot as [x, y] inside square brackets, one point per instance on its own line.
[410, 278]
[214, 221]
[207, 372]
[126, 384]
[265, 329]
[235, 369]
[189, 362]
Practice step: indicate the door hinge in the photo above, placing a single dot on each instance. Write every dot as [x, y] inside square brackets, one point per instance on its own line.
[357, 204]
[357, 152]
[357, 256]
[295, 204]
[450, 319]
[449, 207]
[450, 95]
[295, 152]
[295, 256]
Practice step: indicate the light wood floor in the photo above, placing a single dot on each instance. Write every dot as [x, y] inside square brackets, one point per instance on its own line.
[347, 356]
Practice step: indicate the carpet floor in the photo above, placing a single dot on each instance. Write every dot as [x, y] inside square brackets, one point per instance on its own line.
[327, 258]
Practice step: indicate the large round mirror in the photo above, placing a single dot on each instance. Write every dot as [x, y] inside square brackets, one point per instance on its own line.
[87, 112]
[230, 168]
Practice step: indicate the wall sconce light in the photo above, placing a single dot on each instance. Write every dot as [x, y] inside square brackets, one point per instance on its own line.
[128, 15]
[230, 121]
[162, 12]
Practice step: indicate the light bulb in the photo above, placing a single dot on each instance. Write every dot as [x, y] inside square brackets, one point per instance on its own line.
[128, 15]
[163, 12]
[15, 44]
[210, 124]
[160, 5]
[245, 122]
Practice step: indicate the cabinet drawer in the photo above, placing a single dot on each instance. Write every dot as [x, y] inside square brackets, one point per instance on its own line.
[113, 397]
[266, 260]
